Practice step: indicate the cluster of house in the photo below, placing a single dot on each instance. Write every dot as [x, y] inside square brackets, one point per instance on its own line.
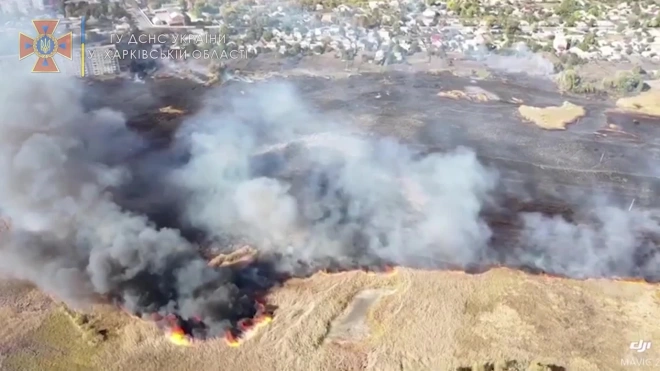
[617, 31]
[389, 31]
[410, 26]
[168, 17]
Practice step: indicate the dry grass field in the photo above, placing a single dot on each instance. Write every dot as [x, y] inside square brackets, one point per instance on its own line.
[552, 118]
[646, 103]
[410, 320]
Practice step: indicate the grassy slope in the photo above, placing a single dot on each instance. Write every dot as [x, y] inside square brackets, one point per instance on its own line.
[431, 320]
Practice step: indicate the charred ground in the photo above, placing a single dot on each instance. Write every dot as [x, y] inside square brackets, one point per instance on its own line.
[541, 168]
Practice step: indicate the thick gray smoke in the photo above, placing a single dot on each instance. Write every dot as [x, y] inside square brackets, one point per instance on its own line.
[68, 236]
[331, 197]
[308, 192]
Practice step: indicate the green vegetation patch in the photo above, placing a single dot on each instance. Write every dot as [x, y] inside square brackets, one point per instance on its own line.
[624, 82]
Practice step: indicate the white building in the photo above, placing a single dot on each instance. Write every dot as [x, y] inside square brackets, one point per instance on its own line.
[167, 17]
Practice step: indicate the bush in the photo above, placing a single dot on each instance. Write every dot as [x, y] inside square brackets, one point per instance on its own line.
[567, 8]
[588, 41]
[655, 22]
[571, 59]
[570, 81]
[465, 8]
[625, 82]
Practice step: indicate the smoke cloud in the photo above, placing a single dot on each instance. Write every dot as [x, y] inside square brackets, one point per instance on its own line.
[518, 59]
[613, 242]
[333, 197]
[306, 191]
[70, 237]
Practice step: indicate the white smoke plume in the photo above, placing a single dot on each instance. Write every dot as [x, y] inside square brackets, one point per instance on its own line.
[351, 199]
[519, 59]
[614, 242]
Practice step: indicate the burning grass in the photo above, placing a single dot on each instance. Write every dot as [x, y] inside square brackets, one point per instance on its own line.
[190, 331]
[309, 306]
[187, 332]
[247, 264]
[246, 327]
[194, 312]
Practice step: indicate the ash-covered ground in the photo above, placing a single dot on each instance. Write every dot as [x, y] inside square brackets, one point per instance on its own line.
[315, 174]
[405, 106]
[565, 174]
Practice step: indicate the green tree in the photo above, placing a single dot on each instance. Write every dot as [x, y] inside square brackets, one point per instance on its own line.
[454, 5]
[588, 41]
[625, 82]
[490, 21]
[566, 8]
[511, 27]
[571, 20]
[655, 22]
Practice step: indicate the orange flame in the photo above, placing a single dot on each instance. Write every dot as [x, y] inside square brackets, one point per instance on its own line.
[263, 320]
[247, 325]
[388, 270]
[179, 337]
[231, 339]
